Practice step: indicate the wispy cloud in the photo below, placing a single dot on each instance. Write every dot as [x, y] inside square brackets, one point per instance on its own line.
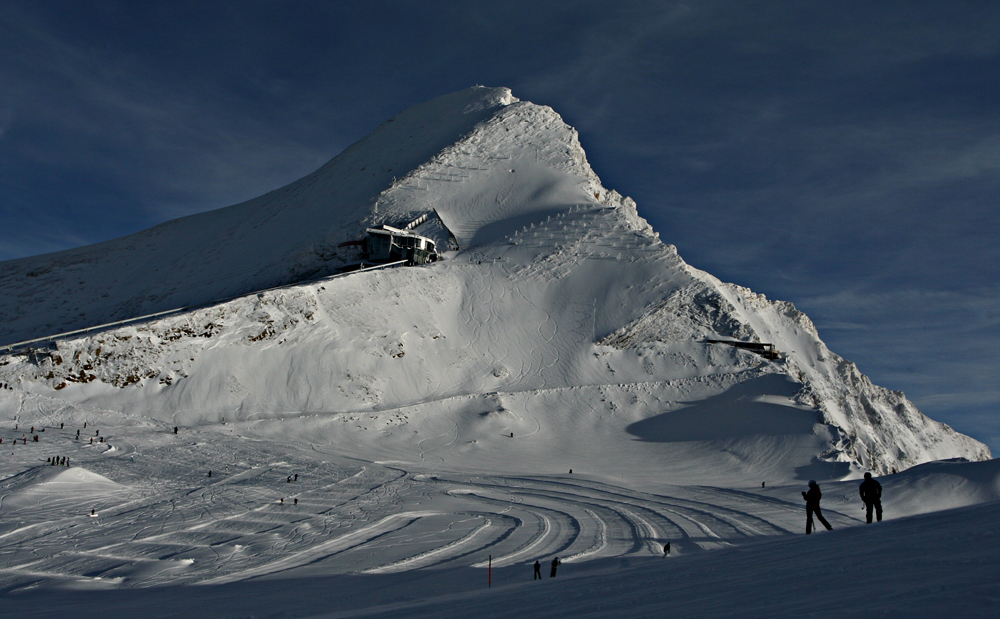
[160, 146]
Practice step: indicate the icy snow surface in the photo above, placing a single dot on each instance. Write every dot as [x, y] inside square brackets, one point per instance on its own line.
[433, 414]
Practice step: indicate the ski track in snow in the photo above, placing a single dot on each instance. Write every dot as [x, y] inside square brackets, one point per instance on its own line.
[350, 517]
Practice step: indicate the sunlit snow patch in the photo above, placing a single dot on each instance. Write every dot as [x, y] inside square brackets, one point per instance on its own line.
[76, 487]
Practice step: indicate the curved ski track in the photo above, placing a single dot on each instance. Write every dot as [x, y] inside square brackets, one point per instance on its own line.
[169, 522]
[375, 520]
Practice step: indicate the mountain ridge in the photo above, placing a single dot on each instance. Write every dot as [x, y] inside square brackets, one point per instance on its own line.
[280, 226]
[556, 307]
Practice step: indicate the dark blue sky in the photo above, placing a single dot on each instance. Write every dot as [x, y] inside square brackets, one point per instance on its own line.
[845, 157]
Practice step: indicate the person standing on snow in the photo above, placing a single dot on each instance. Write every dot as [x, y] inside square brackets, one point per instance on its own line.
[555, 564]
[812, 498]
[538, 571]
[871, 493]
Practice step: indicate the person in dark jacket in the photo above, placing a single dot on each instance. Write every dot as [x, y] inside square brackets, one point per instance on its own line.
[871, 493]
[555, 564]
[538, 571]
[812, 497]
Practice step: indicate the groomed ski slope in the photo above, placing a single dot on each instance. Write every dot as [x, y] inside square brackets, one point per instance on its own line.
[165, 521]
[937, 565]
[412, 540]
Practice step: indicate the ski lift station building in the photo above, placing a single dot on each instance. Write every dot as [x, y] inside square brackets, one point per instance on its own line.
[388, 244]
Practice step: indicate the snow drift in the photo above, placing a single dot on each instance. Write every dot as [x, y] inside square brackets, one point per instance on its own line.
[55, 488]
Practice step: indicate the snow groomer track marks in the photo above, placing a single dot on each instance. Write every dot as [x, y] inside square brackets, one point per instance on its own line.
[371, 519]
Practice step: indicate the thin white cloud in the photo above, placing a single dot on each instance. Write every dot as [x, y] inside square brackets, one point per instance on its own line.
[171, 148]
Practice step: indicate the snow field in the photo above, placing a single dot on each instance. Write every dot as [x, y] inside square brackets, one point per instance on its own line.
[160, 519]
[413, 540]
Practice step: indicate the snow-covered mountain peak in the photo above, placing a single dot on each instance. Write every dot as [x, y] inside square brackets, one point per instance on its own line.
[485, 161]
[557, 315]
[521, 166]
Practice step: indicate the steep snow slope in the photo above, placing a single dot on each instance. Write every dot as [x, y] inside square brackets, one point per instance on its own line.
[562, 333]
[280, 237]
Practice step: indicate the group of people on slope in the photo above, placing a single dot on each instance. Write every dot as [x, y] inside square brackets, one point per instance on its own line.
[552, 573]
[870, 491]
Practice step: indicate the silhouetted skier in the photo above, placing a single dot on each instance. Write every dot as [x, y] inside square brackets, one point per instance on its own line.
[871, 493]
[666, 549]
[538, 571]
[812, 498]
[555, 564]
